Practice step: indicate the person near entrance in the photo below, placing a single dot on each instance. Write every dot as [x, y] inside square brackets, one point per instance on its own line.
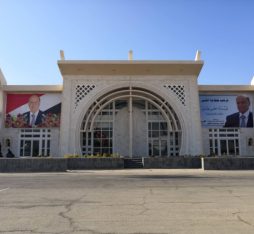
[244, 117]
[34, 116]
[1, 155]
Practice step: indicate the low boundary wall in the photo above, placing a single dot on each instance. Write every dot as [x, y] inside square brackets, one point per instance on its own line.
[172, 162]
[228, 163]
[33, 164]
[94, 163]
[64, 164]
[58, 164]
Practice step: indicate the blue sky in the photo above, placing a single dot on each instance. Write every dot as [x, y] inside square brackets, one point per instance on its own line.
[32, 32]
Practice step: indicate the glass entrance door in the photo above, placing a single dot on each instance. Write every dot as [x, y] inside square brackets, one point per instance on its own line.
[29, 148]
[224, 141]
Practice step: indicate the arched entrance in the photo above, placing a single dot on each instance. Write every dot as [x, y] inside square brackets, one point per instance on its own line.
[132, 122]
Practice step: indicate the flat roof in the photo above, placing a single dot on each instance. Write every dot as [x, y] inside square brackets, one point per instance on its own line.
[129, 67]
[59, 88]
[33, 88]
[225, 88]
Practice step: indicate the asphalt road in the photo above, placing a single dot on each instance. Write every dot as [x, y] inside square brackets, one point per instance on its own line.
[128, 201]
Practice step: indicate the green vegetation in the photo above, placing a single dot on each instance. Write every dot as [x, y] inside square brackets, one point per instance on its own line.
[104, 155]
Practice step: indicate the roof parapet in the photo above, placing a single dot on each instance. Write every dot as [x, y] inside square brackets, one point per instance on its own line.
[252, 81]
[62, 55]
[130, 55]
[198, 55]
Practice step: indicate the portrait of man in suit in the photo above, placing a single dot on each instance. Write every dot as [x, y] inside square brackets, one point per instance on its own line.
[34, 116]
[244, 117]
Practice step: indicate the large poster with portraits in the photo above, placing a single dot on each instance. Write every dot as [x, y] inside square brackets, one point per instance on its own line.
[230, 111]
[41, 110]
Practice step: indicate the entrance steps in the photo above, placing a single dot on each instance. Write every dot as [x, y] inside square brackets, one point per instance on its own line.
[133, 163]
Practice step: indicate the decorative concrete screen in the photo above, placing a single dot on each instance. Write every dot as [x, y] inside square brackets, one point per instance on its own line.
[178, 90]
[81, 92]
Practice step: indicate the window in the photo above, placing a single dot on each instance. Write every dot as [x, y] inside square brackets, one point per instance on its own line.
[151, 124]
[161, 141]
[224, 141]
[102, 139]
[34, 142]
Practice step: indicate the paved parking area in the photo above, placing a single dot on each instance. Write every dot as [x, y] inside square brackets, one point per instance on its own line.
[128, 201]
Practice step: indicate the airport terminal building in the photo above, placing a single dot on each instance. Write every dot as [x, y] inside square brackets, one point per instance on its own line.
[131, 108]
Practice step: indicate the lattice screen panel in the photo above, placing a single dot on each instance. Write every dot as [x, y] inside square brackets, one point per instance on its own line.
[178, 90]
[81, 92]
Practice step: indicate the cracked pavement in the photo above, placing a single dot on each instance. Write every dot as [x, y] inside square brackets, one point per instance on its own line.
[127, 201]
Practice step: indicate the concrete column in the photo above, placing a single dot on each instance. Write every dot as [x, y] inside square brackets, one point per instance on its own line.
[130, 126]
[195, 143]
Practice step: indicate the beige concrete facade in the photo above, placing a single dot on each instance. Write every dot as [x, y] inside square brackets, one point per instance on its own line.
[170, 86]
[126, 74]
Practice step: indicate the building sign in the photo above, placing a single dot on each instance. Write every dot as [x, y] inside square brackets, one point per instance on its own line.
[219, 111]
[41, 110]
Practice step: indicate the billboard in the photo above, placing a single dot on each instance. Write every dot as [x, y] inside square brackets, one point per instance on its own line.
[219, 111]
[40, 110]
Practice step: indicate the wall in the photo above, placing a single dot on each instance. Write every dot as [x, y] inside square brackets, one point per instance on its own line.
[2, 83]
[245, 133]
[13, 135]
[187, 110]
